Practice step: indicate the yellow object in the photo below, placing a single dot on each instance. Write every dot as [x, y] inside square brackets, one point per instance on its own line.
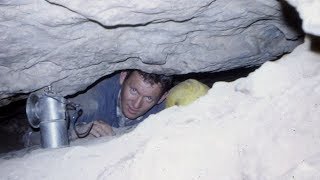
[186, 92]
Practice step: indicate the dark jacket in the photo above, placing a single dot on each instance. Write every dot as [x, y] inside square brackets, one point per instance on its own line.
[100, 103]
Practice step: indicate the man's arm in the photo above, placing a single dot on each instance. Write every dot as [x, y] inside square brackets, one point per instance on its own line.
[98, 105]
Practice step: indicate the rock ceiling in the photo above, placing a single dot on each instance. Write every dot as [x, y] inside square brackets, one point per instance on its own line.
[71, 44]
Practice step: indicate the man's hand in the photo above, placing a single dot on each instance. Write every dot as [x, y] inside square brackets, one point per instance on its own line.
[100, 128]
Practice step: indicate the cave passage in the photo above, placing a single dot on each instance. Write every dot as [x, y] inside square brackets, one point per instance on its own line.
[14, 123]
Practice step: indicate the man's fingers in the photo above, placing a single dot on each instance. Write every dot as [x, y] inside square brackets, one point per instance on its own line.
[102, 131]
[94, 132]
[107, 129]
[101, 128]
[97, 131]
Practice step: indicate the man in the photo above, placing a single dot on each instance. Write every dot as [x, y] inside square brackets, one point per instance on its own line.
[123, 100]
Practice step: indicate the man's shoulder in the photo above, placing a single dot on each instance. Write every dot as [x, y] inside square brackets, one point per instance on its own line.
[112, 80]
[100, 100]
[108, 89]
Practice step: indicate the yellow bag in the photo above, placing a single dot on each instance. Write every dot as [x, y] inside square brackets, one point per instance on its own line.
[186, 92]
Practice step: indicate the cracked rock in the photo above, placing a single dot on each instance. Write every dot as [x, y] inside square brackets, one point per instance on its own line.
[71, 44]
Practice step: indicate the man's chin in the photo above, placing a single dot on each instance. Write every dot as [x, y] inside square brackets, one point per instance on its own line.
[131, 115]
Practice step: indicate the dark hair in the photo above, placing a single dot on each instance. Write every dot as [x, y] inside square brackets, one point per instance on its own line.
[164, 80]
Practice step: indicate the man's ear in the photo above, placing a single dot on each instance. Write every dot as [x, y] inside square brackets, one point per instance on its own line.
[123, 76]
[163, 97]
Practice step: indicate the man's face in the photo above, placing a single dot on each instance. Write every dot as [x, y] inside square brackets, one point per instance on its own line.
[137, 95]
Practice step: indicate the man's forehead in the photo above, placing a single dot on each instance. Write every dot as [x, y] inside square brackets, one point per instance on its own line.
[138, 81]
[141, 81]
[135, 75]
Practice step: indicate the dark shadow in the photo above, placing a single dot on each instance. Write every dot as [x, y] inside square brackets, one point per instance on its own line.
[291, 16]
[315, 43]
[209, 78]
[13, 124]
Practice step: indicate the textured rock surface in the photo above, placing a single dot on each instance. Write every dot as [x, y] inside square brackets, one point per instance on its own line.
[70, 44]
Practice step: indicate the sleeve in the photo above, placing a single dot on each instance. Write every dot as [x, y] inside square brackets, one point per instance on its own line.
[98, 102]
[88, 105]
[91, 103]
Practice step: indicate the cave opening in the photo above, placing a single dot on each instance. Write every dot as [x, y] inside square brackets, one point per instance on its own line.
[14, 123]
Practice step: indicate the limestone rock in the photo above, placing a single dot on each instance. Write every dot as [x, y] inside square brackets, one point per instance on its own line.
[71, 44]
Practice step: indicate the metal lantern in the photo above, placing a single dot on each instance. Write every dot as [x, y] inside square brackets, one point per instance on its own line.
[47, 111]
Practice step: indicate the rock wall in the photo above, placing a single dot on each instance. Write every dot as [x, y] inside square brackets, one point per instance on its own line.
[70, 44]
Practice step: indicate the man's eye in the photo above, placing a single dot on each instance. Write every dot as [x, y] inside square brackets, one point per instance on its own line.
[133, 91]
[149, 99]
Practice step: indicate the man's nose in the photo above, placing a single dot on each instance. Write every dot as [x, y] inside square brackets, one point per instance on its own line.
[138, 102]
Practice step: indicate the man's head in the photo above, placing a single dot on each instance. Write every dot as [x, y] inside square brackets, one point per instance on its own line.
[141, 91]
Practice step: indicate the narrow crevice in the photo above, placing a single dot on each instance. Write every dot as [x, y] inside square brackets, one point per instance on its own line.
[156, 21]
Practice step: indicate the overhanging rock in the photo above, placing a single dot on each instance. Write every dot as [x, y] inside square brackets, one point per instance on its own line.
[70, 44]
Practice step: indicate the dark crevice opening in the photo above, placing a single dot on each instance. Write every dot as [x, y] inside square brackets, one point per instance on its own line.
[14, 123]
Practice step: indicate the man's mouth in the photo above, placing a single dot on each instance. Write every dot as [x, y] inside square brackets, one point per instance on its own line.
[131, 111]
